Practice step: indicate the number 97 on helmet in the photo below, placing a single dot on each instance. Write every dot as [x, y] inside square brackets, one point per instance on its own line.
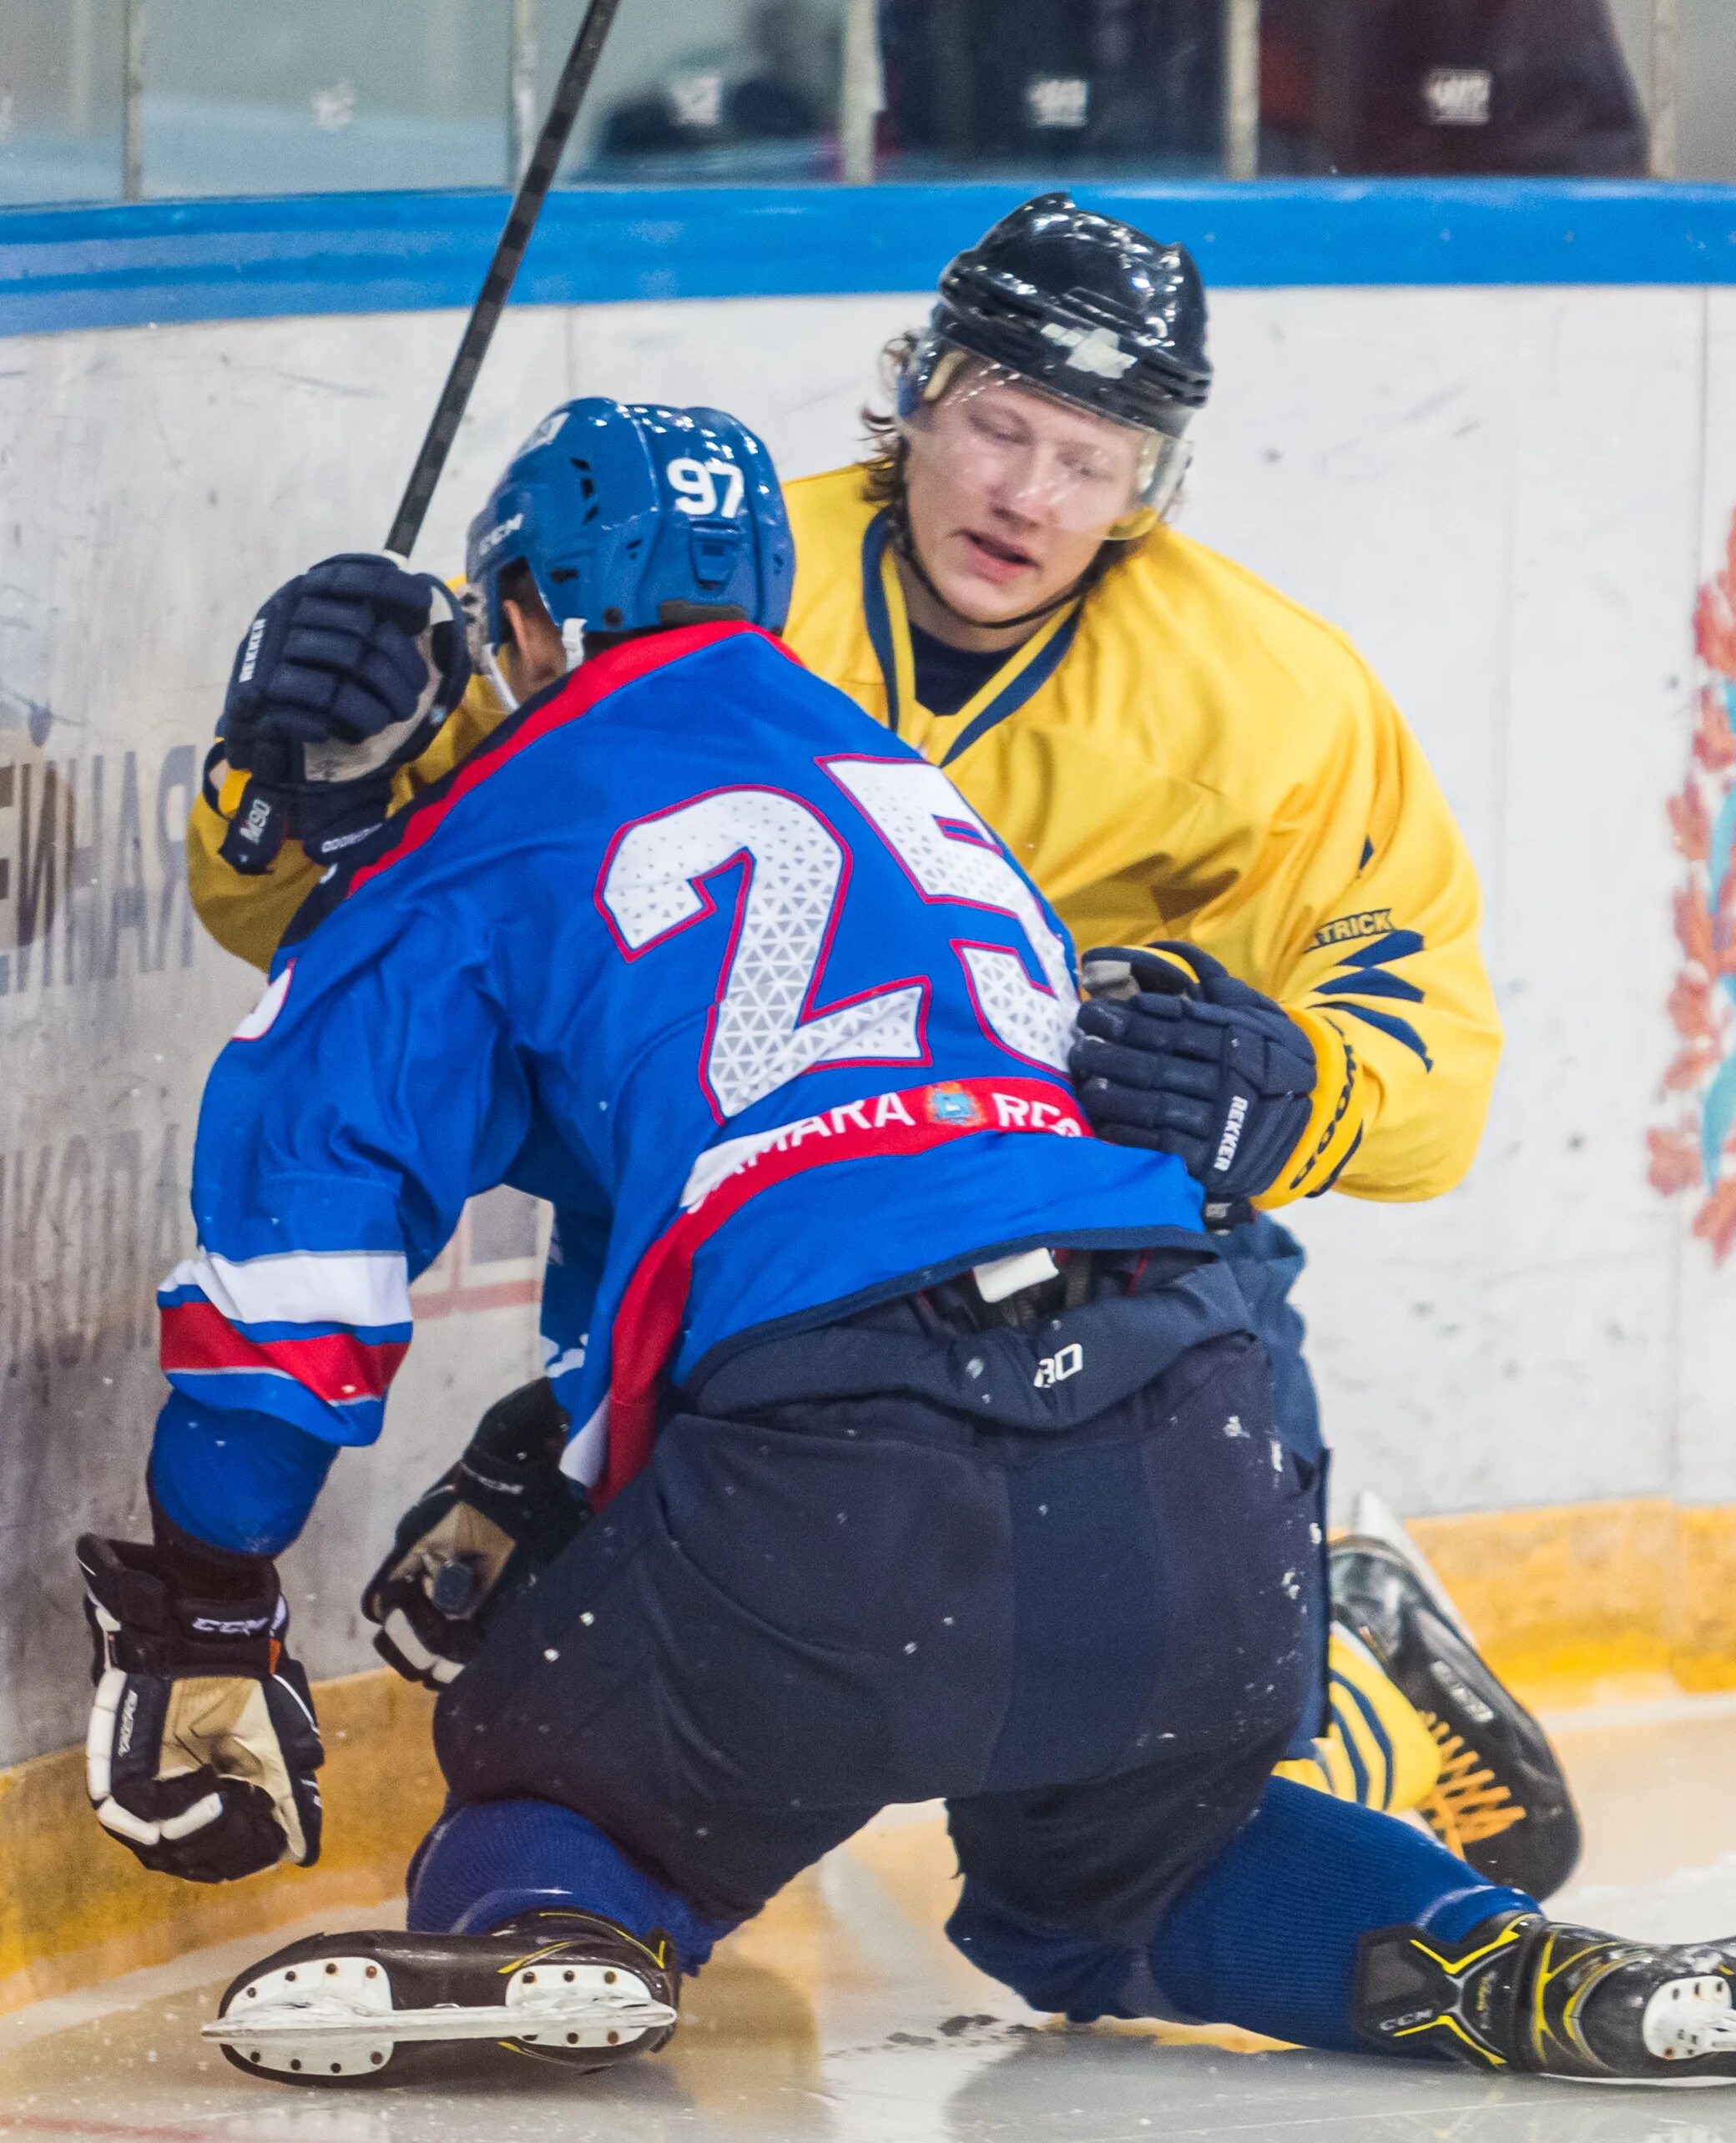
[632, 517]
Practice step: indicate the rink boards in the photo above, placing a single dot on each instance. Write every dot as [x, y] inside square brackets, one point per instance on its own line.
[1508, 492]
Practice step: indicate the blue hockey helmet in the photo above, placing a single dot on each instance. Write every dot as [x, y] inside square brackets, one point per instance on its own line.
[629, 515]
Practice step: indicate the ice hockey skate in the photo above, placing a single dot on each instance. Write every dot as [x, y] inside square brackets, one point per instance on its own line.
[1501, 1801]
[558, 1986]
[1522, 1993]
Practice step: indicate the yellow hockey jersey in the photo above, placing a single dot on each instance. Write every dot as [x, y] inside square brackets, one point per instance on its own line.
[1186, 754]
[1182, 755]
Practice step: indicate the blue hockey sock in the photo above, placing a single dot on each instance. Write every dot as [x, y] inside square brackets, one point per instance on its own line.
[1266, 1936]
[484, 1864]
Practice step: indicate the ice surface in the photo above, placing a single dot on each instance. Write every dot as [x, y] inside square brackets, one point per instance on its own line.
[842, 2016]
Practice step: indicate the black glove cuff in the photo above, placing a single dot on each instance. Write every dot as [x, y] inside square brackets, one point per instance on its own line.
[200, 1569]
[511, 1470]
[163, 1629]
[528, 1428]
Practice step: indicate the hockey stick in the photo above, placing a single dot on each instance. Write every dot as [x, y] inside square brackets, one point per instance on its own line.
[497, 283]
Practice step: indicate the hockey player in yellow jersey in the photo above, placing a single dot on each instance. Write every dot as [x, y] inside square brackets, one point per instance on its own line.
[1184, 760]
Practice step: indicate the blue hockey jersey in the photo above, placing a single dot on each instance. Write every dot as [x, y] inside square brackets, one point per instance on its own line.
[688, 909]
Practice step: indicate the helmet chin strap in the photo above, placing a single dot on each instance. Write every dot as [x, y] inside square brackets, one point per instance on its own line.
[487, 659]
[489, 664]
[906, 548]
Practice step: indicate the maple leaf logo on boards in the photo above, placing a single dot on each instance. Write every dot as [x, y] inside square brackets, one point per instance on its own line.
[1695, 1151]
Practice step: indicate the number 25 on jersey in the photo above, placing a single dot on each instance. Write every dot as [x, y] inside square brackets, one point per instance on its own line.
[768, 1025]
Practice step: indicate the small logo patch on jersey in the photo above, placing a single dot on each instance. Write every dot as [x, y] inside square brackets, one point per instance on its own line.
[952, 1104]
[1372, 922]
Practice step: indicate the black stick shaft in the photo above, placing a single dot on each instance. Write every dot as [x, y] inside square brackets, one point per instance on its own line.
[497, 283]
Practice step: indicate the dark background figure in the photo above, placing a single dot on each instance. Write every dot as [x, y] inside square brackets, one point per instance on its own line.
[1536, 87]
[1057, 85]
[752, 110]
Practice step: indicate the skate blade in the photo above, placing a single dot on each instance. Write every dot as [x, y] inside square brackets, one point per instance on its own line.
[334, 2017]
[1651, 2084]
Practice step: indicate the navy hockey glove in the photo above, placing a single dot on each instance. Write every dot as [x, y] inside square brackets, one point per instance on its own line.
[1173, 1052]
[203, 1744]
[344, 676]
[489, 1523]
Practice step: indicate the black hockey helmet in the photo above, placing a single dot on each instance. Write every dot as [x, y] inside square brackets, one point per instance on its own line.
[1085, 306]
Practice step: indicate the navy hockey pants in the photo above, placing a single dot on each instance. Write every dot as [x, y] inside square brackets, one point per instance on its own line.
[1061, 1576]
[1267, 1262]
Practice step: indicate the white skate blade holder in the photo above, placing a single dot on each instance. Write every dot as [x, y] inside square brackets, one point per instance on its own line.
[1685, 2020]
[335, 2016]
[1688, 2019]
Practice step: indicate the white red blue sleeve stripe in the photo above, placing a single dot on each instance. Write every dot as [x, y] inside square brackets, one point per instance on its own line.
[314, 1337]
[366, 1289]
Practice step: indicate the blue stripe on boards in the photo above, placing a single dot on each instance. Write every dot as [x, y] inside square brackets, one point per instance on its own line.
[394, 252]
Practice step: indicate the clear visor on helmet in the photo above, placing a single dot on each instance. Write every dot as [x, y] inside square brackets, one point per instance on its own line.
[1001, 435]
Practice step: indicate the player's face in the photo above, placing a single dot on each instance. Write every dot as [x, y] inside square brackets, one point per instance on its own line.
[1010, 494]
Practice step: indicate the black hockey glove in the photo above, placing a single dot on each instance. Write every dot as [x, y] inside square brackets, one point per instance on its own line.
[344, 676]
[203, 1744]
[503, 1512]
[1173, 1052]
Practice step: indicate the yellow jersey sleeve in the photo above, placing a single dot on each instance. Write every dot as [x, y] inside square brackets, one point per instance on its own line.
[1393, 974]
[249, 915]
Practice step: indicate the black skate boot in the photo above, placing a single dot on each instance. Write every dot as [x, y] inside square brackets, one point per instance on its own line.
[1522, 1993]
[559, 1986]
[1501, 1802]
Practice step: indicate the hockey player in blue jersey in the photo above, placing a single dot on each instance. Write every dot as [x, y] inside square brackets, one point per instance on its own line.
[910, 1441]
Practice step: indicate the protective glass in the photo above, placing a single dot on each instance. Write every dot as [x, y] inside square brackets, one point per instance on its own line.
[997, 433]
